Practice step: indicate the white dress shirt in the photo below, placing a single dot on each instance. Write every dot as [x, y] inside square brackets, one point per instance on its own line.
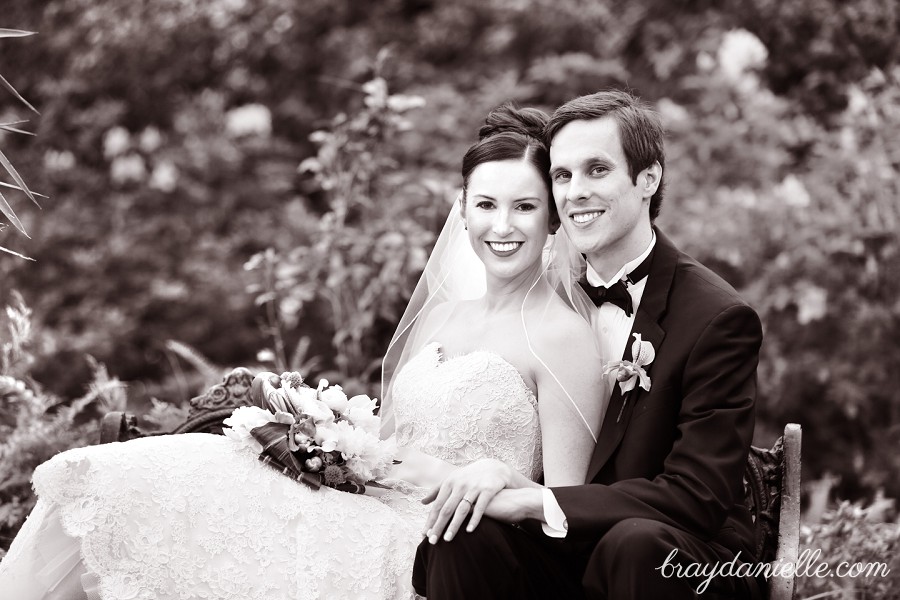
[615, 327]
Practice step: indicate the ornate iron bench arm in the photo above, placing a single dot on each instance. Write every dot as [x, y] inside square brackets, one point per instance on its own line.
[207, 411]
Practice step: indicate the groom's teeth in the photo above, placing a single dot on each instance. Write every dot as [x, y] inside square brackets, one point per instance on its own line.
[586, 217]
[504, 247]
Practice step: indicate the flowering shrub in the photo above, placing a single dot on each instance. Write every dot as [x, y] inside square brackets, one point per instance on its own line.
[848, 534]
[365, 252]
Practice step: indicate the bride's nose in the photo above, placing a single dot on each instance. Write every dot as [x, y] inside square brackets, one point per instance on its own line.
[502, 225]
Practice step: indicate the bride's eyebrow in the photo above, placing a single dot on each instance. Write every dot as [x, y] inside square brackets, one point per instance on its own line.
[523, 199]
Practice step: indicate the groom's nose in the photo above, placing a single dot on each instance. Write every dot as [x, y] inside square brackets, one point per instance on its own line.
[576, 191]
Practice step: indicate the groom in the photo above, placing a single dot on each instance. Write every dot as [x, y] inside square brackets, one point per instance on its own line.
[664, 486]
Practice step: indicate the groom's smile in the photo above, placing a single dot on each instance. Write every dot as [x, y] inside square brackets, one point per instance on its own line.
[582, 218]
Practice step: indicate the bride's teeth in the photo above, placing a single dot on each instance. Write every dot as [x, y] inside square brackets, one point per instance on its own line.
[584, 218]
[505, 247]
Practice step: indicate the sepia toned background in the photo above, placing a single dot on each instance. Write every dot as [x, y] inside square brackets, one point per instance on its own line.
[258, 183]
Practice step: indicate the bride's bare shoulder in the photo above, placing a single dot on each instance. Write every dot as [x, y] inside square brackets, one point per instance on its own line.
[564, 330]
[439, 315]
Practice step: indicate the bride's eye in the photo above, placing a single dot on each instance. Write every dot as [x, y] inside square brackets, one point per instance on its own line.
[484, 205]
[526, 207]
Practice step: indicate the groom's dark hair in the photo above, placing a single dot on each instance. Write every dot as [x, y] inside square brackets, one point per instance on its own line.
[640, 130]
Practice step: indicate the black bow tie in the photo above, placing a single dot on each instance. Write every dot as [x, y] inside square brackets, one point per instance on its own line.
[618, 293]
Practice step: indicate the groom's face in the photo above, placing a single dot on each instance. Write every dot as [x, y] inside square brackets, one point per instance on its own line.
[602, 210]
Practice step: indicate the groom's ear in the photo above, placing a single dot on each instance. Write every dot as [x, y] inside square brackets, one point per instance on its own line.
[649, 179]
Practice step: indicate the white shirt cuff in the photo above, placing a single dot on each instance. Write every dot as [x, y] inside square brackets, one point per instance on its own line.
[556, 525]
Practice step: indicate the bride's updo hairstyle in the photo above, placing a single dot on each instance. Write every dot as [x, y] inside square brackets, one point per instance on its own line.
[512, 133]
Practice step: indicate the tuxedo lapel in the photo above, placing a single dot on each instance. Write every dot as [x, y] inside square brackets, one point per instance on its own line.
[646, 323]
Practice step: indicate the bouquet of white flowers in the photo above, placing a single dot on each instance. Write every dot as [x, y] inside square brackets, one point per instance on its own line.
[317, 436]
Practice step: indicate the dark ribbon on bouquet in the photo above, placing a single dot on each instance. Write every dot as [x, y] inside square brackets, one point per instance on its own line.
[277, 454]
[618, 293]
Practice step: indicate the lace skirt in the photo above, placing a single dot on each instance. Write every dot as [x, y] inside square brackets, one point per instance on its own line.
[193, 516]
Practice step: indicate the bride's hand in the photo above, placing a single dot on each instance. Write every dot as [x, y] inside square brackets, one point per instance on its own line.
[468, 488]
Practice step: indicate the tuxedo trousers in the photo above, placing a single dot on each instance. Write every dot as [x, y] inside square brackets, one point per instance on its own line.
[632, 560]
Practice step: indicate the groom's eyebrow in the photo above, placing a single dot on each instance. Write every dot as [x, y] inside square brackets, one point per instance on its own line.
[586, 162]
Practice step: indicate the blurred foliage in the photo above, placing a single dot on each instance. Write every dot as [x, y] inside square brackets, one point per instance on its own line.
[181, 142]
[851, 535]
[35, 424]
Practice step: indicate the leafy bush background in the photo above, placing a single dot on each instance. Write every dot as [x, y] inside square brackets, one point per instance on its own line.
[259, 181]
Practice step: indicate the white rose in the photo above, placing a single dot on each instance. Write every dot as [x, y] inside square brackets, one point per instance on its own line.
[244, 419]
[360, 411]
[327, 438]
[304, 400]
[335, 398]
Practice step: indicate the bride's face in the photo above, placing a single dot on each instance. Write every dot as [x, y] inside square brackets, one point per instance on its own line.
[507, 212]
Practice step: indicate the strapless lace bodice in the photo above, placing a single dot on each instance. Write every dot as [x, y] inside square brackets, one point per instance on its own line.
[466, 407]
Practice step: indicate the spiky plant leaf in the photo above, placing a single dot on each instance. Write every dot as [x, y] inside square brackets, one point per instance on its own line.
[196, 359]
[15, 187]
[9, 87]
[18, 178]
[4, 33]
[7, 210]
[8, 251]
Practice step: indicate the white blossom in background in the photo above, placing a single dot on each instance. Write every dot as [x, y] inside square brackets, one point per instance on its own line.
[265, 356]
[150, 139]
[402, 102]
[376, 92]
[250, 119]
[792, 192]
[739, 54]
[58, 160]
[116, 141]
[164, 176]
[128, 168]
[672, 114]
[812, 303]
[705, 62]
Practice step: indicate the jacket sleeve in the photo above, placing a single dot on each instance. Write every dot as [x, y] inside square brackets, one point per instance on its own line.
[702, 473]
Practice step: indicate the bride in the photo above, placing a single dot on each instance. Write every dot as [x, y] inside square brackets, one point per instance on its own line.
[492, 380]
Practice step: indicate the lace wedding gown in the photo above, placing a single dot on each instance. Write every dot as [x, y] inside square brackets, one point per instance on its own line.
[194, 516]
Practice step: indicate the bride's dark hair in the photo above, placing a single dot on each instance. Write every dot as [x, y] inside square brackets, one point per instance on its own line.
[512, 133]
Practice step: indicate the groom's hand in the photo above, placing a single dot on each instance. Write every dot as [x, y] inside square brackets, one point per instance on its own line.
[468, 489]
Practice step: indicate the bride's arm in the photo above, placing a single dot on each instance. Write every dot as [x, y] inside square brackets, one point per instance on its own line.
[419, 468]
[572, 397]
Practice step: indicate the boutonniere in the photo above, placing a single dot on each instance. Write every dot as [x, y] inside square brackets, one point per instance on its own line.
[632, 373]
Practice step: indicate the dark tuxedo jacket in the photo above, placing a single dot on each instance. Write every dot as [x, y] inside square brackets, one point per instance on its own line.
[678, 452]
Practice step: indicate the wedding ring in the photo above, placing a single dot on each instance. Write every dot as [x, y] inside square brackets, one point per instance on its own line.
[466, 500]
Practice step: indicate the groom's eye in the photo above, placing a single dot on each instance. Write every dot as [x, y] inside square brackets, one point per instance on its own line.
[561, 176]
